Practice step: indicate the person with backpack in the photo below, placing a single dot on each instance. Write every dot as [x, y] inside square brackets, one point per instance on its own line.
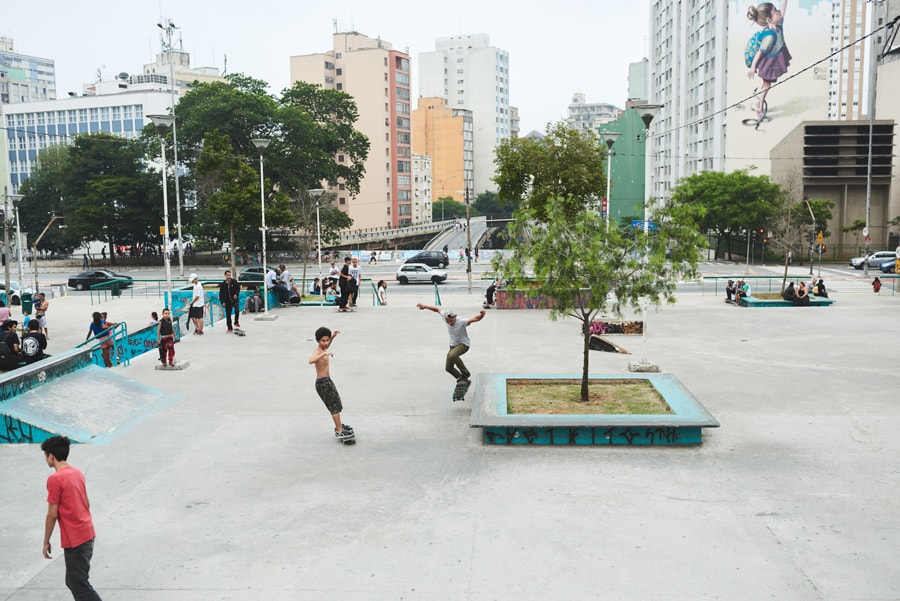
[767, 54]
[10, 353]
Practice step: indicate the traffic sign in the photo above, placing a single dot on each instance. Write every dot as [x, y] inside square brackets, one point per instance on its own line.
[819, 237]
[866, 232]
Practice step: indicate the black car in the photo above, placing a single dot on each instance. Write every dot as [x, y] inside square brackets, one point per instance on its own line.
[251, 277]
[432, 258]
[86, 279]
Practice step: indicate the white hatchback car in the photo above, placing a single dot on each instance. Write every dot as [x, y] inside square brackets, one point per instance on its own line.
[419, 272]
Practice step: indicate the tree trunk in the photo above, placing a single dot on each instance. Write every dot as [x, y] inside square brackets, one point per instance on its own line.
[233, 263]
[586, 334]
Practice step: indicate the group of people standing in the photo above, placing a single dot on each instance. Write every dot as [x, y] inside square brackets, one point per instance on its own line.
[30, 348]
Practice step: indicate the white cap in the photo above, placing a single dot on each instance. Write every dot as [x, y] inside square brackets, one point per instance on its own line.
[192, 277]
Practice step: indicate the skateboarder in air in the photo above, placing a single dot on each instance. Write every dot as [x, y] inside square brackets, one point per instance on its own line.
[459, 344]
[325, 387]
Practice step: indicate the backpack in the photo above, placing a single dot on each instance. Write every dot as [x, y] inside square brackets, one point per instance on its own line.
[754, 44]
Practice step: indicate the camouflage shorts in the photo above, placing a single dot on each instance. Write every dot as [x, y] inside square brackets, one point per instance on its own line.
[327, 391]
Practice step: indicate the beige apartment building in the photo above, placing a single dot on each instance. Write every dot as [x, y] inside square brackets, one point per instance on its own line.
[377, 77]
[445, 134]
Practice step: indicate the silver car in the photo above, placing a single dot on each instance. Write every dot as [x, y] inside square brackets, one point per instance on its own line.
[875, 259]
[419, 272]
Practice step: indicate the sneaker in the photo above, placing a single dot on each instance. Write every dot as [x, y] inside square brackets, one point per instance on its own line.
[171, 364]
[237, 325]
[348, 428]
[342, 435]
[229, 331]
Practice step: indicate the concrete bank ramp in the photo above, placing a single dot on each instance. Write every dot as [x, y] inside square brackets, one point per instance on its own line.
[91, 405]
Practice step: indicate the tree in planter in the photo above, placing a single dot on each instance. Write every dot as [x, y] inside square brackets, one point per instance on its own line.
[570, 258]
[331, 221]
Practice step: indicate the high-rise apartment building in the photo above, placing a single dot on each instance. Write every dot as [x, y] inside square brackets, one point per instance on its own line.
[588, 116]
[471, 74]
[421, 190]
[377, 77]
[24, 78]
[445, 134]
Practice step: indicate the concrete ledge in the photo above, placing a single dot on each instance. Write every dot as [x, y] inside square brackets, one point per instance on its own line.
[752, 301]
[682, 426]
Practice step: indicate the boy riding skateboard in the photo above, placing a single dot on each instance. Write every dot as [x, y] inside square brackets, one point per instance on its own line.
[325, 387]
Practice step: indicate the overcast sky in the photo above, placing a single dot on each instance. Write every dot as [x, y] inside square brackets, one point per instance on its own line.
[555, 48]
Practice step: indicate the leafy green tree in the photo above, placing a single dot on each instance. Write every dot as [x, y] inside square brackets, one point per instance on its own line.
[42, 197]
[585, 269]
[331, 221]
[567, 166]
[729, 204]
[448, 208]
[488, 203]
[856, 228]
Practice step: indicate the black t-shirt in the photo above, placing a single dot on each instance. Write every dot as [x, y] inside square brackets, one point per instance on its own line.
[33, 345]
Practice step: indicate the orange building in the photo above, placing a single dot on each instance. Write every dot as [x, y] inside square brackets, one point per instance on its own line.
[445, 134]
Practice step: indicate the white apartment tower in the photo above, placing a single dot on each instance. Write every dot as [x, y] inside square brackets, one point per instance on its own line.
[471, 74]
[25, 78]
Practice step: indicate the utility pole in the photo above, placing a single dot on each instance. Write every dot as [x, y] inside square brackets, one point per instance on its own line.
[6, 246]
[168, 28]
[468, 241]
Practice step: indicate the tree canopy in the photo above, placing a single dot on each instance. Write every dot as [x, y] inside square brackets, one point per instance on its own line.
[563, 251]
[566, 166]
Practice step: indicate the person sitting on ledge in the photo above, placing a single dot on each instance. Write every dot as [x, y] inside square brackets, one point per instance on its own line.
[743, 290]
[730, 289]
[819, 289]
[789, 292]
[802, 298]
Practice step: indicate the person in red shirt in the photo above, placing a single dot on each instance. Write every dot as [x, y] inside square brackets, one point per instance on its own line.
[69, 505]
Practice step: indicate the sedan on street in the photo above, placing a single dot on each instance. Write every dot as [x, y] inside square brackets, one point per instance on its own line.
[86, 279]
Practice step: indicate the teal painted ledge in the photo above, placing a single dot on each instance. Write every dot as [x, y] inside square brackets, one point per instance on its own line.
[684, 426]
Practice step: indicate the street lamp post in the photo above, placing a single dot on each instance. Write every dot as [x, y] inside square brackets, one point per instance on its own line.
[468, 241]
[163, 124]
[16, 199]
[37, 286]
[6, 199]
[444, 181]
[647, 112]
[168, 29]
[317, 194]
[609, 137]
[261, 145]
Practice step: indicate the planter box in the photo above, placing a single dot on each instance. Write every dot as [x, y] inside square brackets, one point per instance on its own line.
[682, 427]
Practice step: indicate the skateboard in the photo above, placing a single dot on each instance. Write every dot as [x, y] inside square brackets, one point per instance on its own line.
[239, 332]
[351, 440]
[459, 392]
[349, 310]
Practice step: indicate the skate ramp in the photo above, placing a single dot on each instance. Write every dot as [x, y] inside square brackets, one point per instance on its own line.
[93, 405]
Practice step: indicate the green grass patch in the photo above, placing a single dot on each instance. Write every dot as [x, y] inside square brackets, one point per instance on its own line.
[605, 397]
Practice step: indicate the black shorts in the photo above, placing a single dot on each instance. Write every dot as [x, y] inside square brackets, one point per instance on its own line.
[196, 312]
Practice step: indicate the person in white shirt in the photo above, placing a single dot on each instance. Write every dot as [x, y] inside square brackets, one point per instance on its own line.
[197, 301]
[356, 274]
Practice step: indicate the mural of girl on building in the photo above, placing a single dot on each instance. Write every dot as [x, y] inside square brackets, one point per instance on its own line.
[770, 55]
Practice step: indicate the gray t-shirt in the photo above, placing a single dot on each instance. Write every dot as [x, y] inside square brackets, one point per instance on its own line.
[457, 331]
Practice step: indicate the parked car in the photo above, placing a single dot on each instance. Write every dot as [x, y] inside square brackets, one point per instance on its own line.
[15, 295]
[419, 272]
[888, 266]
[86, 279]
[432, 258]
[252, 277]
[875, 259]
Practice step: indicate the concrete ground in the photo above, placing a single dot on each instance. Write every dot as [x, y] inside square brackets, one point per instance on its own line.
[237, 491]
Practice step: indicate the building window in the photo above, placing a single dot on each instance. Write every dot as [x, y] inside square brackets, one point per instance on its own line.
[403, 137]
[117, 113]
[95, 115]
[402, 123]
[403, 181]
[126, 112]
[104, 113]
[403, 167]
[338, 71]
[402, 78]
[329, 66]
[402, 107]
[340, 86]
[340, 158]
[82, 115]
[342, 200]
[40, 119]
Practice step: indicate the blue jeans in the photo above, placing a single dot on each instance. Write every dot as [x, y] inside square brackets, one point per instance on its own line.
[78, 567]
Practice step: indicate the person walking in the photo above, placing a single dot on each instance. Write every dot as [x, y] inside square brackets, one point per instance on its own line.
[84, 262]
[459, 341]
[325, 387]
[69, 506]
[229, 293]
[356, 274]
[197, 298]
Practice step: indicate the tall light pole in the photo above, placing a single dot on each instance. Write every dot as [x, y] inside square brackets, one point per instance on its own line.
[37, 286]
[806, 200]
[261, 145]
[16, 199]
[647, 112]
[468, 241]
[168, 28]
[317, 194]
[873, 80]
[163, 124]
[609, 137]
[5, 225]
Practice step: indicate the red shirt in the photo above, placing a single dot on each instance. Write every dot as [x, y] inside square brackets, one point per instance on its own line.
[66, 488]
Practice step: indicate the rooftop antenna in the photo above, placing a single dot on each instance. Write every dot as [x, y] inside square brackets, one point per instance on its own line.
[225, 67]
